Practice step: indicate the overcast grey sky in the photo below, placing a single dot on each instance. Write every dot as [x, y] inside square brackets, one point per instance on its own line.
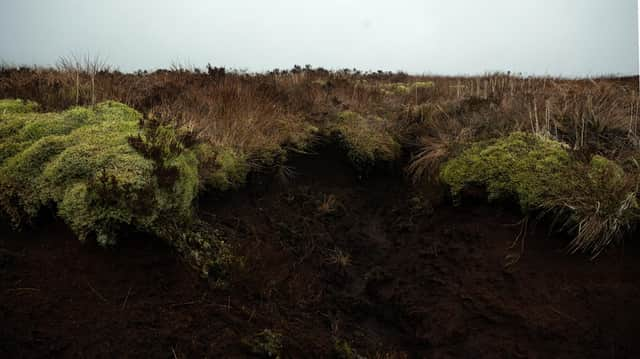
[555, 37]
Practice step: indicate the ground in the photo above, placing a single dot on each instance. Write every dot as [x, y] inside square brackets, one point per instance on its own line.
[329, 257]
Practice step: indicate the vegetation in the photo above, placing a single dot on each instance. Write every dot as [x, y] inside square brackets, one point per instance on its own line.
[9, 106]
[266, 344]
[222, 169]
[83, 163]
[343, 350]
[530, 139]
[116, 155]
[527, 166]
[598, 200]
[400, 88]
[366, 140]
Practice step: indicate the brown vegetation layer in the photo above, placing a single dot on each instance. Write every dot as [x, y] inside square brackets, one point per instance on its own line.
[257, 112]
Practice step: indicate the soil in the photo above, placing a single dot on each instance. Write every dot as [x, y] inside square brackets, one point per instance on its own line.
[392, 270]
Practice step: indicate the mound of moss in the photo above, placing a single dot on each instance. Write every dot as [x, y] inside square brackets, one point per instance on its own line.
[396, 88]
[104, 170]
[597, 199]
[522, 165]
[366, 139]
[9, 106]
[81, 161]
[401, 89]
[421, 85]
[222, 168]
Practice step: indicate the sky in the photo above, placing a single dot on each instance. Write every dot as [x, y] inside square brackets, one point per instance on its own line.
[447, 37]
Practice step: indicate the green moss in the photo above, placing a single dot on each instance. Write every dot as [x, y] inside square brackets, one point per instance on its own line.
[596, 201]
[403, 89]
[106, 170]
[606, 173]
[116, 111]
[117, 189]
[396, 88]
[522, 165]
[267, 344]
[421, 85]
[81, 161]
[22, 195]
[222, 168]
[10, 149]
[9, 106]
[301, 139]
[52, 124]
[79, 114]
[366, 139]
[19, 130]
[343, 350]
[11, 124]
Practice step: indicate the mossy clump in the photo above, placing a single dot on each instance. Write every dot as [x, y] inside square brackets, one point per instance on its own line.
[18, 130]
[81, 161]
[8, 106]
[106, 169]
[343, 350]
[366, 139]
[204, 248]
[597, 200]
[266, 344]
[422, 85]
[301, 137]
[222, 168]
[606, 173]
[522, 165]
[396, 88]
[403, 89]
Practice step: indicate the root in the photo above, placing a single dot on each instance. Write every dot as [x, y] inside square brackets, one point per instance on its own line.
[514, 257]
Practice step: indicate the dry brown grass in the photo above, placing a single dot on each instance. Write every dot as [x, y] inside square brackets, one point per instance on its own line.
[271, 112]
[259, 118]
